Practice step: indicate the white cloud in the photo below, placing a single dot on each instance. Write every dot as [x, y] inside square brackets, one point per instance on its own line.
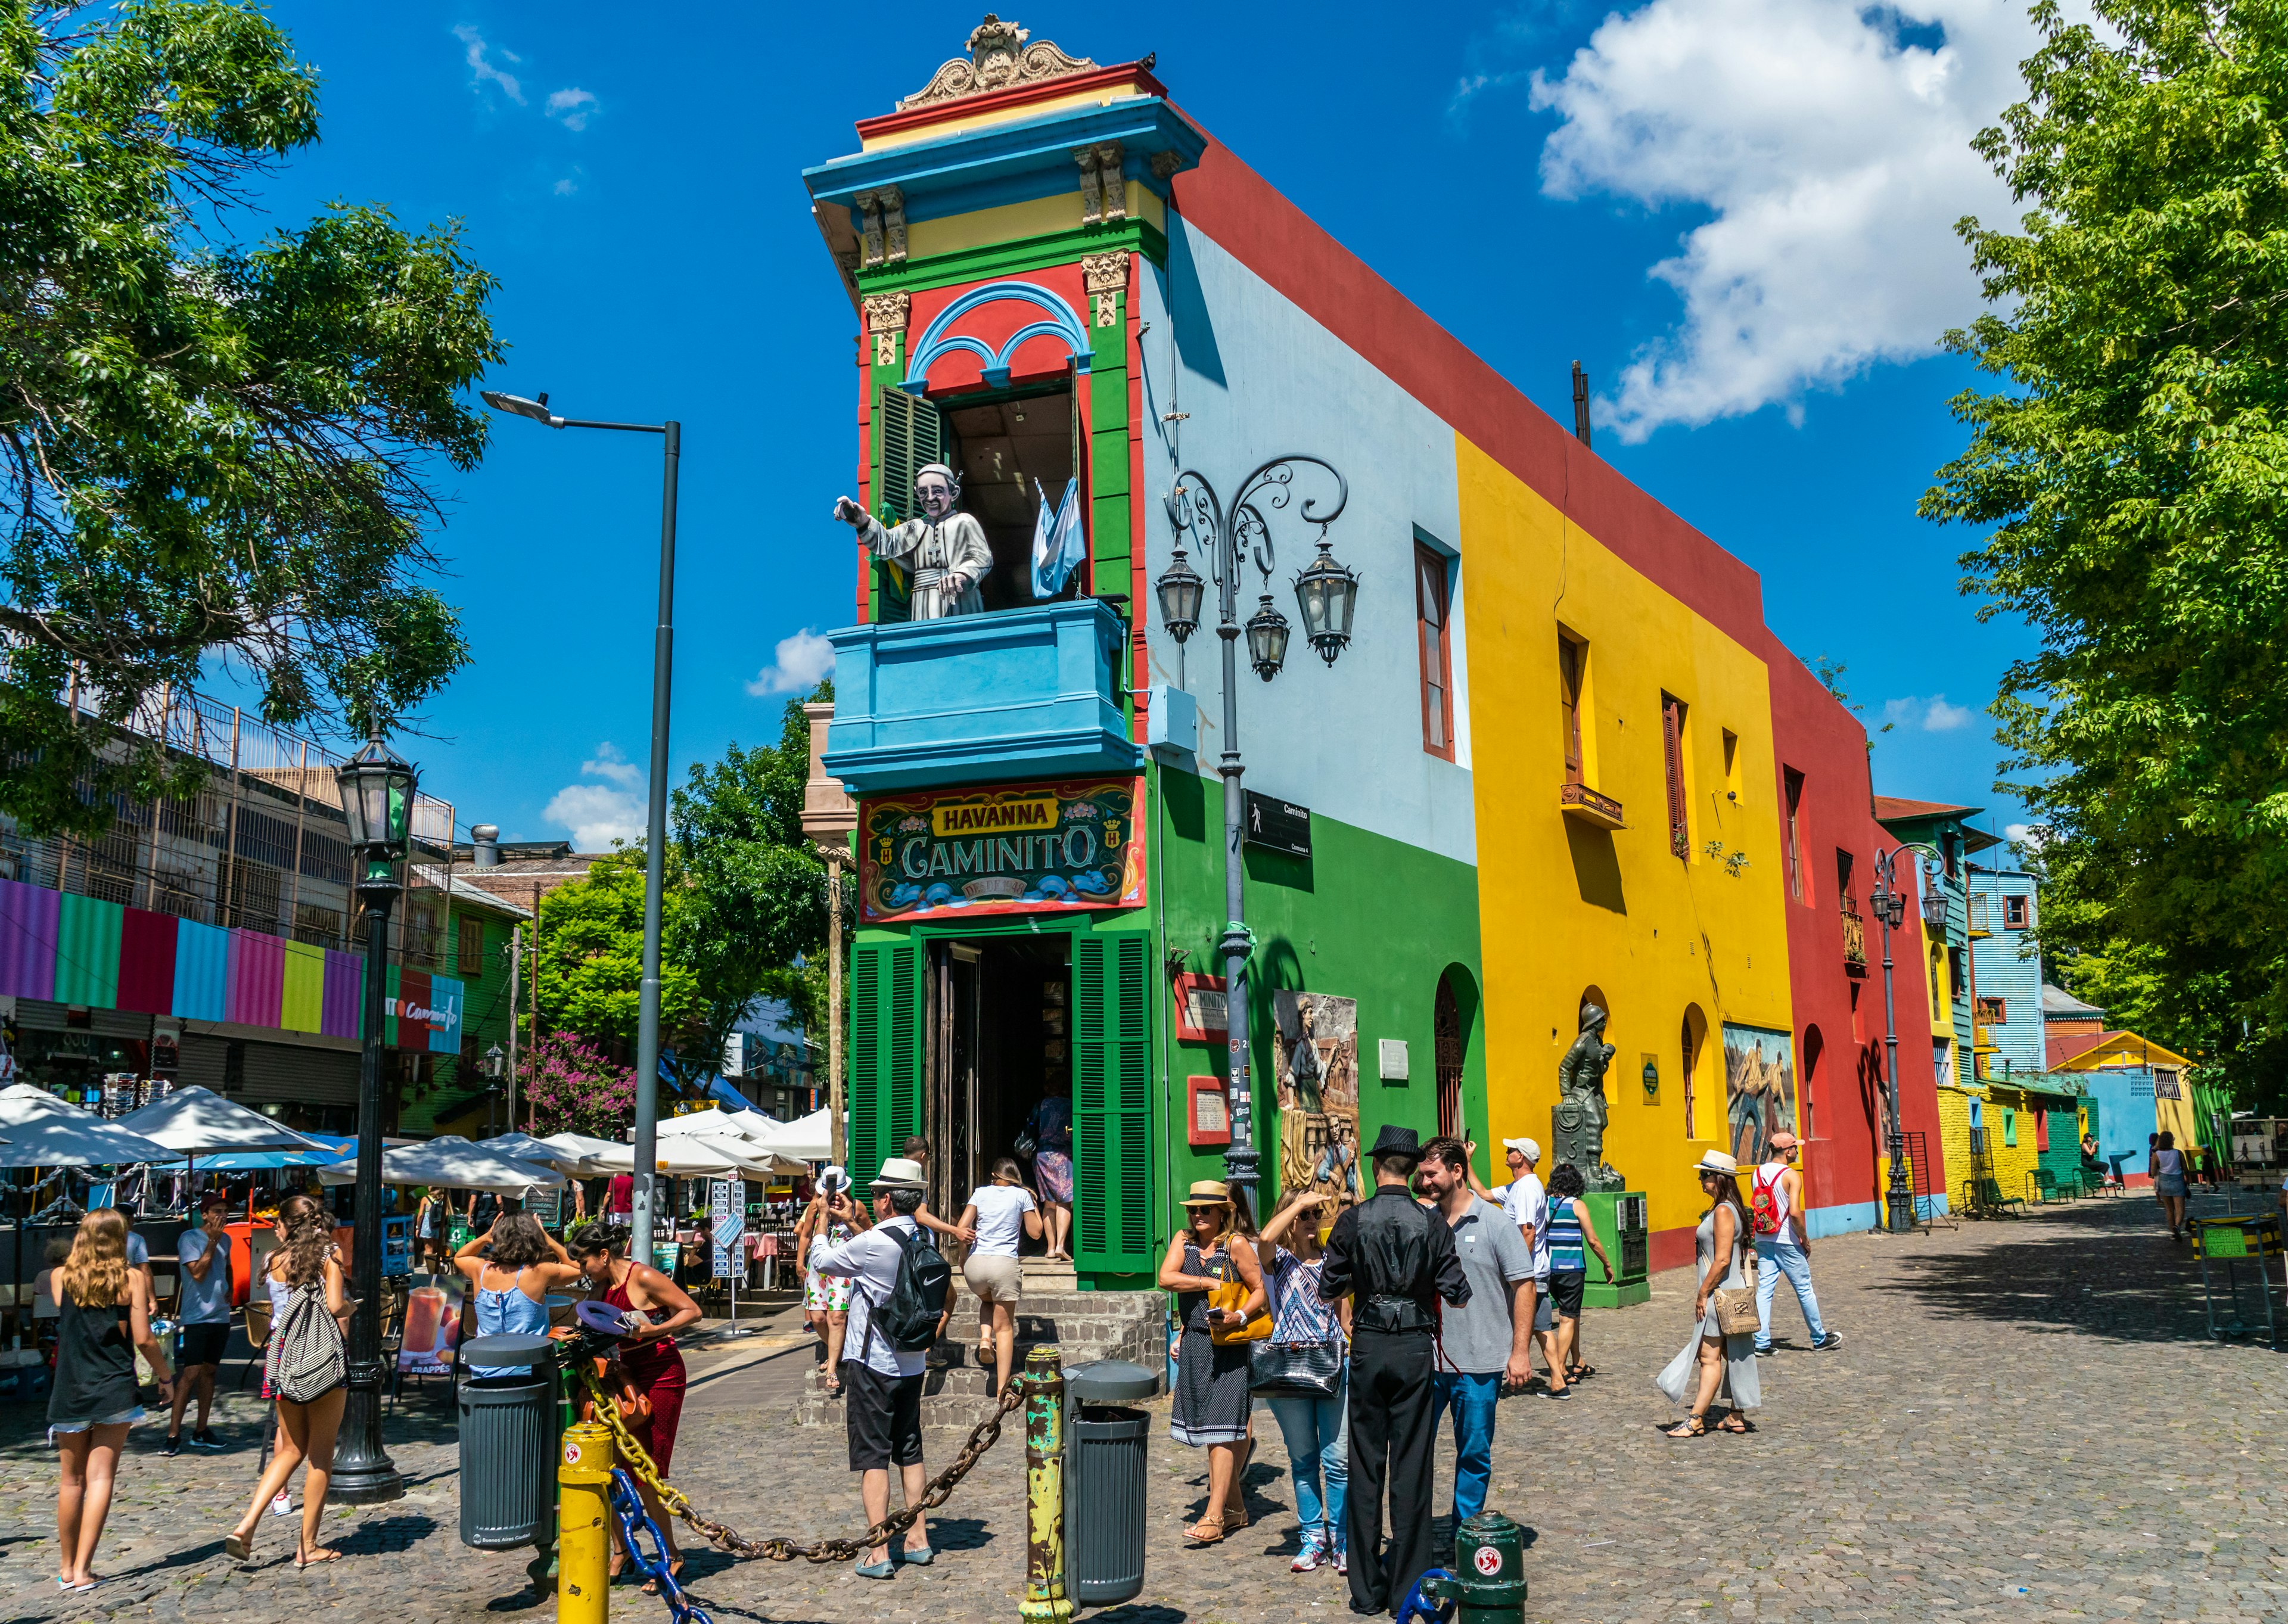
[571, 107]
[1828, 139]
[1930, 716]
[567, 183]
[598, 813]
[481, 70]
[802, 660]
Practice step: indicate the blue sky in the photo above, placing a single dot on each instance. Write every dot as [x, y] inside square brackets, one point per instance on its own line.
[1736, 213]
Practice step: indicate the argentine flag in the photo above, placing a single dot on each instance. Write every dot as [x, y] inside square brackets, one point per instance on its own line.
[1058, 545]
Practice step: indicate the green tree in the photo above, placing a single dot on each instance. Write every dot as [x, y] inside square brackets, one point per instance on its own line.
[2132, 472]
[745, 899]
[206, 448]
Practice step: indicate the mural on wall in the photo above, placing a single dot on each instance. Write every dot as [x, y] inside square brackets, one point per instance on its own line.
[1315, 1050]
[1760, 1097]
[1033, 848]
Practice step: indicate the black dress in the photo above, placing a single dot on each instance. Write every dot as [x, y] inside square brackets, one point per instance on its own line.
[95, 1365]
[1212, 1397]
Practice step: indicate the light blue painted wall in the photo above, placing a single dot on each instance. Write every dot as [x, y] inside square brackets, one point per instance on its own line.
[2125, 1113]
[2009, 968]
[1258, 378]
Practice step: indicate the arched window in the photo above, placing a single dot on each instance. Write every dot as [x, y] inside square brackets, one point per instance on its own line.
[1692, 1041]
[1815, 1045]
[1447, 1033]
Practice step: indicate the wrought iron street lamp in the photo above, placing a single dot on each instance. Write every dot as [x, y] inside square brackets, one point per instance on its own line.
[662, 669]
[1890, 905]
[1229, 537]
[378, 788]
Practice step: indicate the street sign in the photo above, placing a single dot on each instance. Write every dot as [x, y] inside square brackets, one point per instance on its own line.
[728, 1211]
[1276, 825]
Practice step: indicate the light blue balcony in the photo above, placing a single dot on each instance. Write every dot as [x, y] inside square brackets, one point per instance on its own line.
[979, 699]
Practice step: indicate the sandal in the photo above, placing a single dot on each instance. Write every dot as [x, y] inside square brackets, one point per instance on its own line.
[1580, 1373]
[324, 1553]
[1207, 1530]
[1234, 1518]
[237, 1546]
[1736, 1424]
[674, 1571]
[1691, 1426]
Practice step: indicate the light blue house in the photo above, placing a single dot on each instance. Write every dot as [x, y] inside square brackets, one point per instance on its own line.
[2006, 965]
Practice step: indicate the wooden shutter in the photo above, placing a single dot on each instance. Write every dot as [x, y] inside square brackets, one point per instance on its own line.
[1568, 700]
[1672, 739]
[1112, 1104]
[885, 1054]
[913, 437]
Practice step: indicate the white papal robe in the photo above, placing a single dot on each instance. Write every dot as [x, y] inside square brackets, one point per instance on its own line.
[931, 550]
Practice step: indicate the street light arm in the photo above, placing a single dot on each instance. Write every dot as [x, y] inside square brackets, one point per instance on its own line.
[626, 428]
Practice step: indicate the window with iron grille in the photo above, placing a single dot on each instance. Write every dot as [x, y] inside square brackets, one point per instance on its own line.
[1994, 1012]
[1671, 743]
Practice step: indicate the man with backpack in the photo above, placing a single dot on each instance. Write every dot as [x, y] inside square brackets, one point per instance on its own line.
[900, 1285]
[1782, 1243]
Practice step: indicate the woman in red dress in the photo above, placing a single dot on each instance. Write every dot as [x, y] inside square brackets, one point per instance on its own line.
[658, 1309]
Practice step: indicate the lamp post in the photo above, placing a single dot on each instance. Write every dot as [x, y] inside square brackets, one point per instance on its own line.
[1228, 537]
[376, 790]
[1890, 905]
[663, 662]
[494, 1067]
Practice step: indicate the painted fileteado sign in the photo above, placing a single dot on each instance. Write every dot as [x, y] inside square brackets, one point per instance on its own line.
[1027, 848]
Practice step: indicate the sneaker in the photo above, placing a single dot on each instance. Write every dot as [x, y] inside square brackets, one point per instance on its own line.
[1832, 1340]
[204, 1439]
[1560, 1393]
[1310, 1559]
[1342, 1562]
[1763, 1354]
[283, 1505]
[173, 1447]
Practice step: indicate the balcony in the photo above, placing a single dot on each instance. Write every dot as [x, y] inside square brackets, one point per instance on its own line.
[1854, 943]
[1580, 802]
[979, 699]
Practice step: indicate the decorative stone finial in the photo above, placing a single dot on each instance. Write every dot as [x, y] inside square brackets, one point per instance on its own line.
[998, 59]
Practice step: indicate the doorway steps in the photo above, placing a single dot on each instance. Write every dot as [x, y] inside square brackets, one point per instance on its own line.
[1082, 1326]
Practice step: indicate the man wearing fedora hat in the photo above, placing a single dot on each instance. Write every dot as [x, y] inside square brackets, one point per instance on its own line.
[881, 1382]
[1395, 1259]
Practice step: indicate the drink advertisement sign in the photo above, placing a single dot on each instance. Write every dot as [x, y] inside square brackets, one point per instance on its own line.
[432, 1327]
[1020, 849]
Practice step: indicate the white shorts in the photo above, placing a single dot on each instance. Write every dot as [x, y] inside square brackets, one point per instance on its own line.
[994, 1279]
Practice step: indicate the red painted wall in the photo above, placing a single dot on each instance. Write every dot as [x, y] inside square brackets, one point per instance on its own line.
[1812, 732]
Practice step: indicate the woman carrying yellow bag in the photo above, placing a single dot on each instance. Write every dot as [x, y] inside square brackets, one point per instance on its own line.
[1212, 1269]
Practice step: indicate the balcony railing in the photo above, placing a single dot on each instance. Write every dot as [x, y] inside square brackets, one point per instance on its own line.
[979, 699]
[1600, 811]
[1854, 943]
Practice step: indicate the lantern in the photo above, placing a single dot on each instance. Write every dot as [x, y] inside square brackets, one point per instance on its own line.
[1267, 639]
[1326, 592]
[377, 800]
[1180, 589]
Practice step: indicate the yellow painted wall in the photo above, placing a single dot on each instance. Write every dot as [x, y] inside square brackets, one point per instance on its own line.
[1014, 222]
[1954, 1133]
[1563, 906]
[2012, 1162]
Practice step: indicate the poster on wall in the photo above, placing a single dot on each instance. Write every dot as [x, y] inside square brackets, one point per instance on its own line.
[1314, 1048]
[1025, 849]
[1760, 1097]
[432, 1326]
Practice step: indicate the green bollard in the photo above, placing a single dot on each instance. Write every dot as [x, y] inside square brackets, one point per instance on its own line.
[1487, 1584]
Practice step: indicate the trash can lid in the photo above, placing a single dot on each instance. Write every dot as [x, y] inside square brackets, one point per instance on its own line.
[505, 1348]
[1111, 1381]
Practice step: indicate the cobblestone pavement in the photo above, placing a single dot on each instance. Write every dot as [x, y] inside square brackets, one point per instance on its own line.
[2027, 1422]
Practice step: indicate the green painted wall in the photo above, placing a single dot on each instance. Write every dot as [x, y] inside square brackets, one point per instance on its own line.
[1367, 917]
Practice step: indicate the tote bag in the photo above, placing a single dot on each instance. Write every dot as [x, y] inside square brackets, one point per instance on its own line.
[307, 1356]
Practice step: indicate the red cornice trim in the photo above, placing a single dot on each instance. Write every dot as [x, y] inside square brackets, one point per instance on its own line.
[1018, 96]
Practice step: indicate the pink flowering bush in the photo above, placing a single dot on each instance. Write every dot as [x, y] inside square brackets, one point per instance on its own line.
[574, 1086]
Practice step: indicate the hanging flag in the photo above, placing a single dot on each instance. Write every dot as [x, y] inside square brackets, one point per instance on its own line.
[1058, 544]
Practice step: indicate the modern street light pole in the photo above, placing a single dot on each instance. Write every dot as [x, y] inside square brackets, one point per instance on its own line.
[1890, 905]
[1326, 593]
[663, 667]
[377, 801]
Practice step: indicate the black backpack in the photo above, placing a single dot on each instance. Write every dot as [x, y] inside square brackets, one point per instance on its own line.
[908, 1318]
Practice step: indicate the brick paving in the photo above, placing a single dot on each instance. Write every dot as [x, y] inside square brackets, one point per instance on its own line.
[2027, 1422]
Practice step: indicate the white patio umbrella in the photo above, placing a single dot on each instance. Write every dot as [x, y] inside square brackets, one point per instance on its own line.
[713, 1122]
[46, 1133]
[451, 1162]
[755, 1124]
[585, 1150]
[524, 1147]
[679, 1156]
[195, 1119]
[804, 1139]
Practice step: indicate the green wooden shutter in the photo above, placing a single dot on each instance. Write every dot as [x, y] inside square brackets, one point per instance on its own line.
[885, 1060]
[1112, 1104]
[913, 437]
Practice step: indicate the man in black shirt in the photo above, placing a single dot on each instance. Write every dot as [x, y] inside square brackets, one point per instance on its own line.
[1396, 1259]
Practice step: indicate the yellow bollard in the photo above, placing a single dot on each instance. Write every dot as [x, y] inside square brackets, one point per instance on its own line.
[584, 1551]
[1046, 1601]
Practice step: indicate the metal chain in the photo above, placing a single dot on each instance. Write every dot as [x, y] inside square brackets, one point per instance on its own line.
[628, 1507]
[981, 1437]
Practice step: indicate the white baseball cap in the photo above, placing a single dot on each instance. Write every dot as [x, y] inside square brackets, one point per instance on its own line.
[1530, 1148]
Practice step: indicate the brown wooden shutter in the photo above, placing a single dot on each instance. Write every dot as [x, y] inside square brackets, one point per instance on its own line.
[1672, 739]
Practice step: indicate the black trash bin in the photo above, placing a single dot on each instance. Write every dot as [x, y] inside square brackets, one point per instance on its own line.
[1105, 1474]
[508, 1442]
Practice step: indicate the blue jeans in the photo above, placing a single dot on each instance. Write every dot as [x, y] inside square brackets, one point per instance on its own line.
[1317, 1435]
[1775, 1259]
[1472, 1396]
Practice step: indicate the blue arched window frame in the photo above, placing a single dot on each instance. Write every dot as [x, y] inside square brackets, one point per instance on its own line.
[938, 340]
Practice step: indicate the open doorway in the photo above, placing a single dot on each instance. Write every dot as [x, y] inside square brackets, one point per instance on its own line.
[1014, 453]
[1000, 1037]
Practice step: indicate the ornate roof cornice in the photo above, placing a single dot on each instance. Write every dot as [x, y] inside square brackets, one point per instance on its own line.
[999, 59]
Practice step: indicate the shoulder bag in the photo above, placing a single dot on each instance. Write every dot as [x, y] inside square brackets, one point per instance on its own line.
[1300, 1370]
[1736, 1306]
[307, 1359]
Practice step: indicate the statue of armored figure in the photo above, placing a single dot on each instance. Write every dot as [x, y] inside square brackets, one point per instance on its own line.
[1577, 1120]
[944, 549]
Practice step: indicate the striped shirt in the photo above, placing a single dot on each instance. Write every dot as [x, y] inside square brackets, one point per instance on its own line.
[1298, 1315]
[1566, 1256]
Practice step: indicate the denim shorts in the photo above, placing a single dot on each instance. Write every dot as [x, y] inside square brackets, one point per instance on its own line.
[127, 1417]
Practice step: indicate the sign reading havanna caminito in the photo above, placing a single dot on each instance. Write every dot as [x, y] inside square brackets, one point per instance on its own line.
[1026, 848]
